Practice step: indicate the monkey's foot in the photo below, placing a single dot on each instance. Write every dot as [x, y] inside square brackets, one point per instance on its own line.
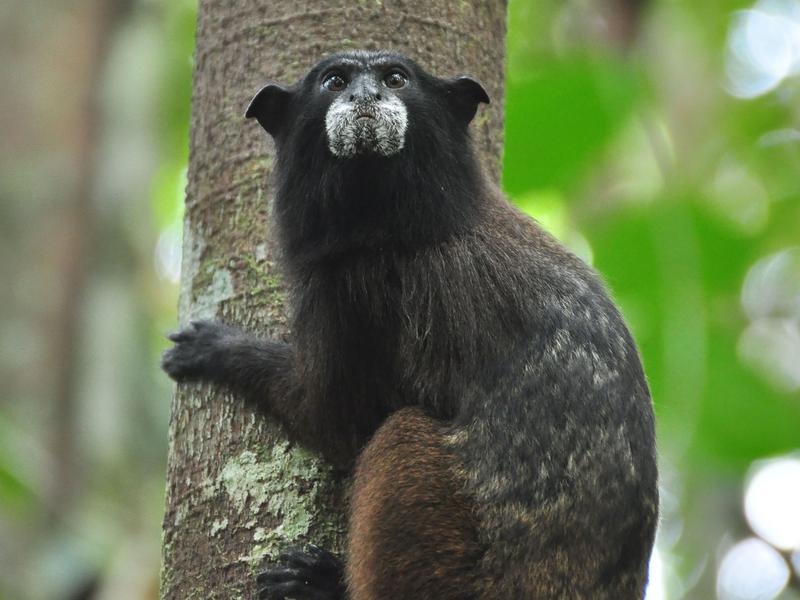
[312, 575]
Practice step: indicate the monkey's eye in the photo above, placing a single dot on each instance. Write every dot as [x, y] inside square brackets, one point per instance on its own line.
[395, 80]
[334, 83]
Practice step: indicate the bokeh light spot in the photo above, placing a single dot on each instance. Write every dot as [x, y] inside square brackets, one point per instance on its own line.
[751, 570]
[168, 254]
[772, 286]
[763, 47]
[655, 583]
[772, 502]
[771, 299]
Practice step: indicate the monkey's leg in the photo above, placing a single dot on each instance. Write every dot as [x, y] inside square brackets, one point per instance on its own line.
[413, 534]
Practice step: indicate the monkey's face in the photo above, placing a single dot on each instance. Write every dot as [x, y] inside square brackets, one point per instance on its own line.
[367, 112]
[366, 103]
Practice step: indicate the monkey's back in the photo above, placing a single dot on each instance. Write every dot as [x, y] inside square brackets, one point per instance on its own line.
[518, 354]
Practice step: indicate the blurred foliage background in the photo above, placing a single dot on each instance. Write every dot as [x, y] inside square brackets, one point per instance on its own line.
[660, 141]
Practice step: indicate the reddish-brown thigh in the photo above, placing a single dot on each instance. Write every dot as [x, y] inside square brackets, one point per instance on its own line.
[412, 531]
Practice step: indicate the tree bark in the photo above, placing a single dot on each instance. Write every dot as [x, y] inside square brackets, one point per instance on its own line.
[238, 492]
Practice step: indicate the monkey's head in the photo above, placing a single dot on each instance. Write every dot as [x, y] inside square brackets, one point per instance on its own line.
[371, 150]
[365, 104]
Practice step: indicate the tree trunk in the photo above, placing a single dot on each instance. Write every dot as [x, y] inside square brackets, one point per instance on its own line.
[238, 492]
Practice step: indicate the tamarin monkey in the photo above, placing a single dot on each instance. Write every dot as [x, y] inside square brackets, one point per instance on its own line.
[473, 371]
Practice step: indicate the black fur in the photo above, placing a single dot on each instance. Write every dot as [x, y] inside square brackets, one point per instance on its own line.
[414, 282]
[313, 575]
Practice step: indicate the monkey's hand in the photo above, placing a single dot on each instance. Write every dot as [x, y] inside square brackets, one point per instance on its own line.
[199, 351]
[211, 351]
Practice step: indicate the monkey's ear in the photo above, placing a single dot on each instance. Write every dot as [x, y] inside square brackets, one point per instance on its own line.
[465, 94]
[269, 107]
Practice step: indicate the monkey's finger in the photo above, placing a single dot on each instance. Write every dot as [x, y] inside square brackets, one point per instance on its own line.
[180, 365]
[178, 336]
[204, 324]
[279, 591]
[323, 558]
[308, 556]
[297, 594]
[168, 361]
[297, 557]
[280, 574]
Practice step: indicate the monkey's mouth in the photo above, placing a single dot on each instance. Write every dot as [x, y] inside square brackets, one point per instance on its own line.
[365, 113]
[365, 128]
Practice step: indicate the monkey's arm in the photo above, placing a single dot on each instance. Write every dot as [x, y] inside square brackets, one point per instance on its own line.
[258, 369]
[264, 373]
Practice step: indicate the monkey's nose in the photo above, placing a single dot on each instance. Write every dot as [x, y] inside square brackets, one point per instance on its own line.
[365, 90]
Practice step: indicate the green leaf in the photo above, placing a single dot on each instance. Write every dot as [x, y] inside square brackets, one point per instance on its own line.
[560, 117]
